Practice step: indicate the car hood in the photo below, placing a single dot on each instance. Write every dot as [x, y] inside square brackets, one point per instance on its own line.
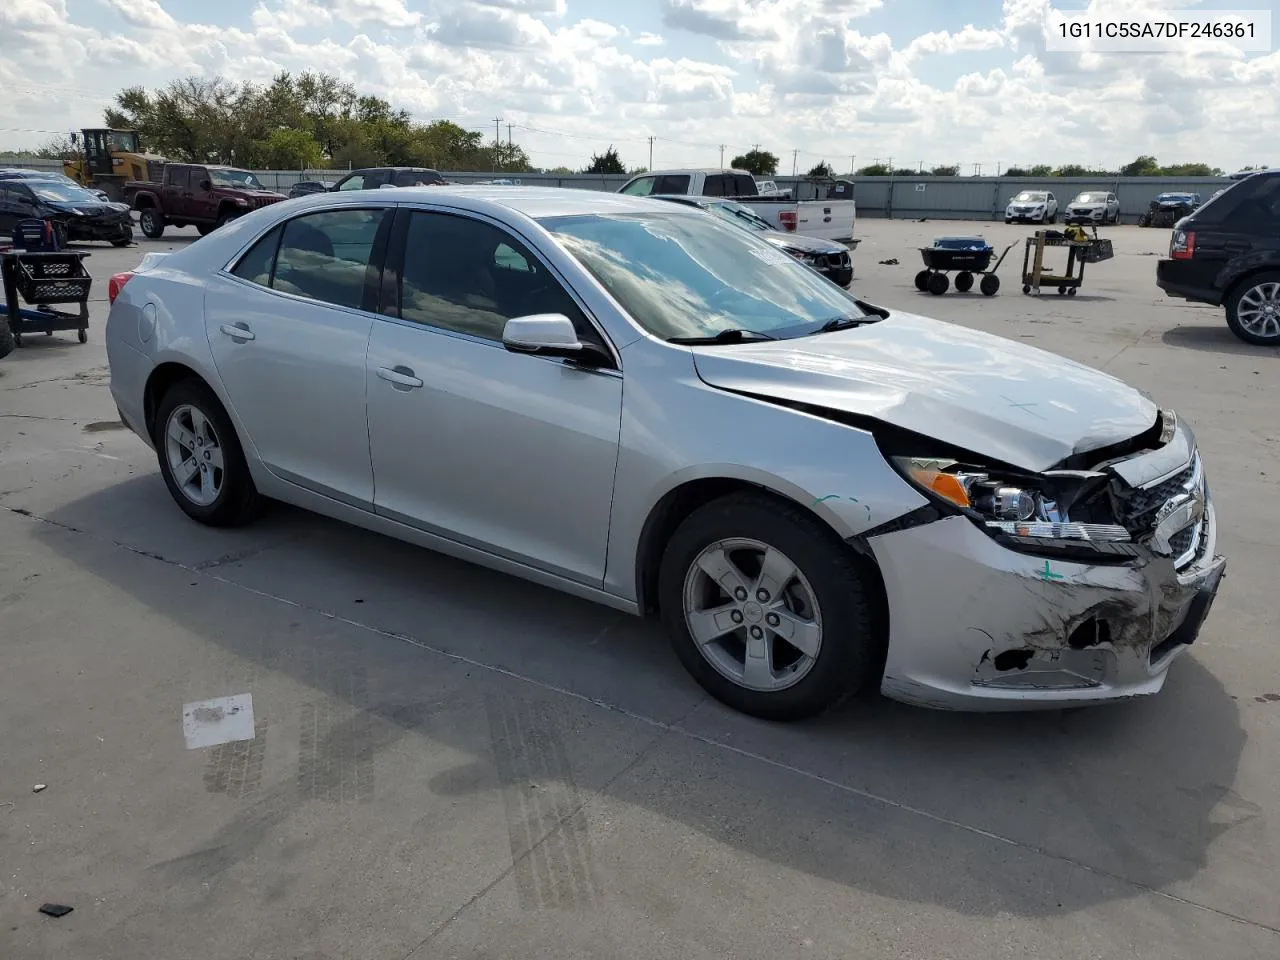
[992, 396]
[795, 241]
[90, 208]
[247, 193]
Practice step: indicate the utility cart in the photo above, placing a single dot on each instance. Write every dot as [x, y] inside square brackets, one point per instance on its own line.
[1080, 249]
[45, 280]
[967, 256]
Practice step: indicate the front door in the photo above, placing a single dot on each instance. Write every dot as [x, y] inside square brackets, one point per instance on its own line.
[508, 452]
[289, 333]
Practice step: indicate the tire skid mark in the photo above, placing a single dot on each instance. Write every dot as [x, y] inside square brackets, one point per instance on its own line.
[542, 801]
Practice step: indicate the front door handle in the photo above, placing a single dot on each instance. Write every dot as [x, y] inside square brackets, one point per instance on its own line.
[237, 331]
[400, 377]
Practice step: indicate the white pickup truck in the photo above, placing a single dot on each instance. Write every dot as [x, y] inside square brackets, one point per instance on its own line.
[829, 219]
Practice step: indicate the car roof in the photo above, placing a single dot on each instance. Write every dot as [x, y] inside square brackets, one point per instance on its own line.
[533, 202]
[13, 173]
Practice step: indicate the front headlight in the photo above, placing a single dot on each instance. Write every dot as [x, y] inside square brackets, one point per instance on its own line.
[241, 202]
[1025, 512]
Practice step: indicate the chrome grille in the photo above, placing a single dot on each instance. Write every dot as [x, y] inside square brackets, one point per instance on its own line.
[1143, 511]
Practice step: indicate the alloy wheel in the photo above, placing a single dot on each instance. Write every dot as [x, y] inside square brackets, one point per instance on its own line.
[752, 614]
[194, 454]
[1258, 310]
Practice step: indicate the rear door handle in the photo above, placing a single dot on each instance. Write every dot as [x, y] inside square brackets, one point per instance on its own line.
[237, 331]
[400, 377]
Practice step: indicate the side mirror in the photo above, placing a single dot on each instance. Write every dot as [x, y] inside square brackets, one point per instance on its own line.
[206, 185]
[550, 334]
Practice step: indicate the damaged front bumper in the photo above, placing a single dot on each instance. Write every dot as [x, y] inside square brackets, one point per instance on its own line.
[975, 625]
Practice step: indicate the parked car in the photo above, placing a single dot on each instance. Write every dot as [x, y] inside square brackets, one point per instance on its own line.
[206, 196]
[831, 218]
[829, 258]
[1168, 208]
[304, 188]
[76, 213]
[1039, 206]
[1093, 207]
[19, 173]
[374, 177]
[1227, 253]
[813, 493]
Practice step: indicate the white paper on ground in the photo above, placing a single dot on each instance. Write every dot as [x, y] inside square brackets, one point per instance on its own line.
[207, 723]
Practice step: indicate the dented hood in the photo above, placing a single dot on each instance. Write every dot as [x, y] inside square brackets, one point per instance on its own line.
[993, 396]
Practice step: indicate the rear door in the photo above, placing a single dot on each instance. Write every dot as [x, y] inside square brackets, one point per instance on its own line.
[507, 452]
[289, 328]
[8, 211]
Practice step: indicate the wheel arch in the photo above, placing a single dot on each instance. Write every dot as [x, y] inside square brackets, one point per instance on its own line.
[144, 201]
[1233, 283]
[159, 381]
[683, 499]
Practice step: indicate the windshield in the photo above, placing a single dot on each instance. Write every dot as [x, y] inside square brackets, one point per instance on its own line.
[683, 275]
[56, 192]
[739, 215]
[1174, 198]
[1027, 196]
[235, 178]
[1091, 198]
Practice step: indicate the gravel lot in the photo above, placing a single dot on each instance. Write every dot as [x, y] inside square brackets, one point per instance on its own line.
[450, 763]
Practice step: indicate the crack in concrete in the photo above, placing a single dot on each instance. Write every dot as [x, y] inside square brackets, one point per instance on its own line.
[32, 416]
[665, 728]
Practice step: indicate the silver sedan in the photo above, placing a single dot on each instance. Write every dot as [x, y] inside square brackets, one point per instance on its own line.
[640, 405]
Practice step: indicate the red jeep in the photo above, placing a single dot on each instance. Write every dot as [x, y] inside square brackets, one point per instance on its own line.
[201, 195]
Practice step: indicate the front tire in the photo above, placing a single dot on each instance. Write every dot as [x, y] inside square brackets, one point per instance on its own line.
[1253, 309]
[922, 281]
[125, 238]
[767, 610]
[201, 459]
[226, 217]
[964, 281]
[151, 223]
[938, 284]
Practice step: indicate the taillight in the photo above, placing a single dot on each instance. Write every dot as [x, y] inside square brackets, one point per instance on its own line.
[116, 284]
[788, 220]
[1183, 245]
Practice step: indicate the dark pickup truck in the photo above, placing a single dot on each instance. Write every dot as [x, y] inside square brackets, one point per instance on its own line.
[202, 195]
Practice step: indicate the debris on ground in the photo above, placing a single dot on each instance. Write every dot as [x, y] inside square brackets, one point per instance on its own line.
[38, 787]
[55, 909]
[891, 262]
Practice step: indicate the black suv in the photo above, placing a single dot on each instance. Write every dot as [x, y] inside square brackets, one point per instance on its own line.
[1227, 253]
[371, 178]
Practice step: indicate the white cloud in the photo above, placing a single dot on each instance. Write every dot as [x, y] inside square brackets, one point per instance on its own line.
[806, 74]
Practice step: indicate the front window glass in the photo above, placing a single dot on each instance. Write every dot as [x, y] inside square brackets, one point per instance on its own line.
[685, 275]
[235, 178]
[640, 188]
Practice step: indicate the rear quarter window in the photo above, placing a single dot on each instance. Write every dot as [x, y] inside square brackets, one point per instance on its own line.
[673, 183]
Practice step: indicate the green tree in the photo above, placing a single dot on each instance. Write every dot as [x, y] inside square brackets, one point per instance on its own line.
[1144, 166]
[945, 171]
[759, 163]
[874, 170]
[286, 149]
[607, 162]
[822, 171]
[1190, 170]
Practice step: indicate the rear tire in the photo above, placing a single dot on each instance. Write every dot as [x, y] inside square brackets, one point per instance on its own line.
[989, 285]
[192, 433]
[1246, 308]
[204, 229]
[922, 280]
[964, 281]
[151, 223]
[938, 284]
[825, 598]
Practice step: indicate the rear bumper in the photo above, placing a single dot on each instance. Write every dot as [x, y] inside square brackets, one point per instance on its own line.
[1171, 278]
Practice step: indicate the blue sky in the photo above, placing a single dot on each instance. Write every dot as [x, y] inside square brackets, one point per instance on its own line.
[947, 81]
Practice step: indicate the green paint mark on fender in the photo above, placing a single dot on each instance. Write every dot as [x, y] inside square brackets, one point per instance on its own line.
[829, 496]
[1047, 574]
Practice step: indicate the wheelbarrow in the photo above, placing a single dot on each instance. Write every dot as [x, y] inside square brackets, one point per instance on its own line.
[966, 256]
